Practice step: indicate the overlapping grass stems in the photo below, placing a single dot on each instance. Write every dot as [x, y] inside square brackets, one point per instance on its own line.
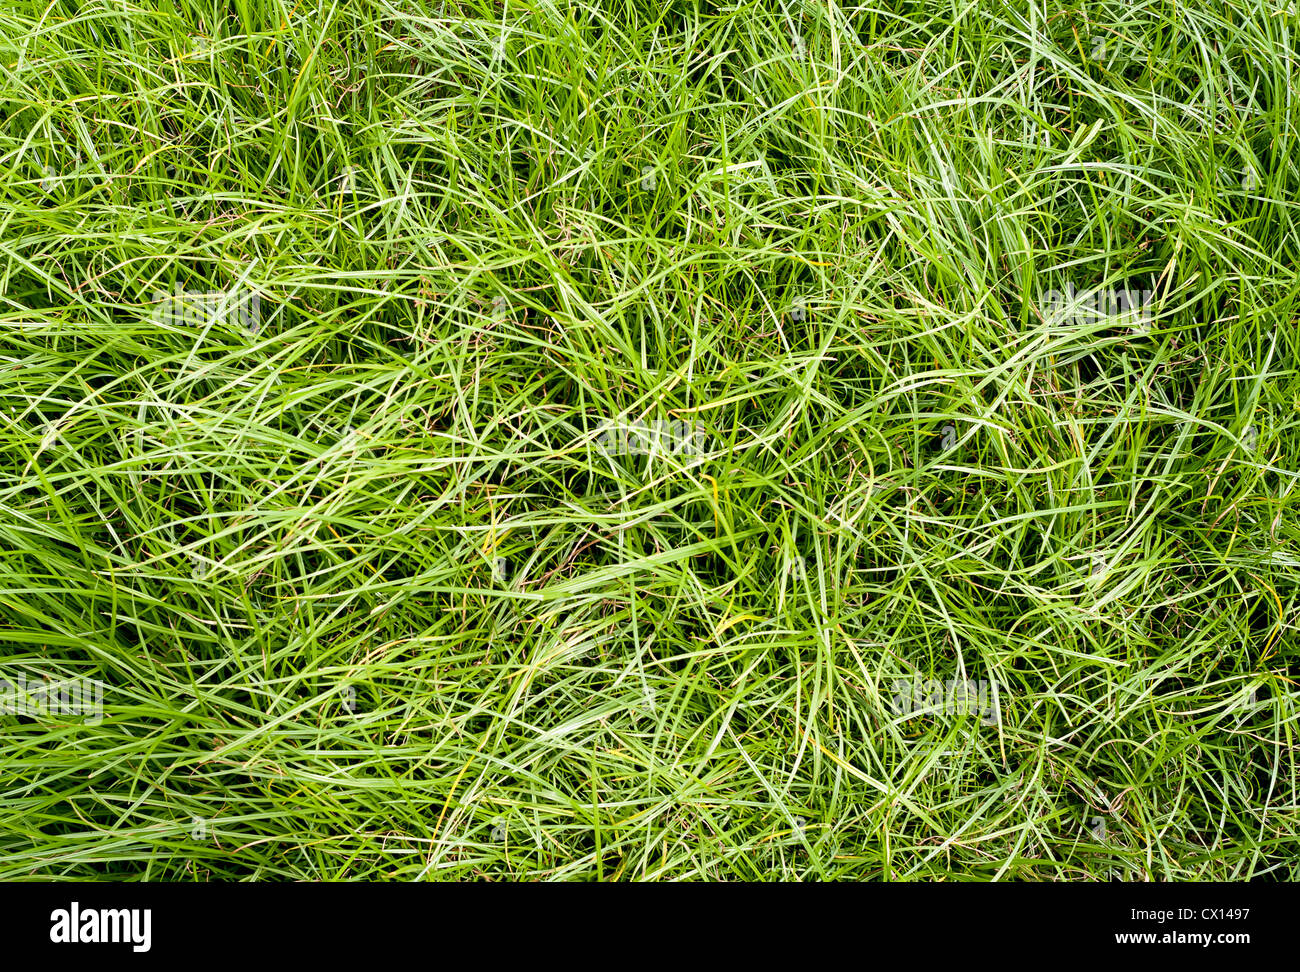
[368, 601]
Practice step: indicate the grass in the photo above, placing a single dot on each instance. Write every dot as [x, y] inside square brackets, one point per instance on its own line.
[369, 596]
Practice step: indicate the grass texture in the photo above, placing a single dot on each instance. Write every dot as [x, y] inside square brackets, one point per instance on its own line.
[368, 592]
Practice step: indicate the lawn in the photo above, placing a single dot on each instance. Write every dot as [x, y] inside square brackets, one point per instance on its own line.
[649, 442]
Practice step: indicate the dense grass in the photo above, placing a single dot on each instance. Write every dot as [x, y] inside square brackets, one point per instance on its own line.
[369, 599]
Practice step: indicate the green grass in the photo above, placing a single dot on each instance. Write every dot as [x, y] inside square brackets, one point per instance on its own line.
[367, 596]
